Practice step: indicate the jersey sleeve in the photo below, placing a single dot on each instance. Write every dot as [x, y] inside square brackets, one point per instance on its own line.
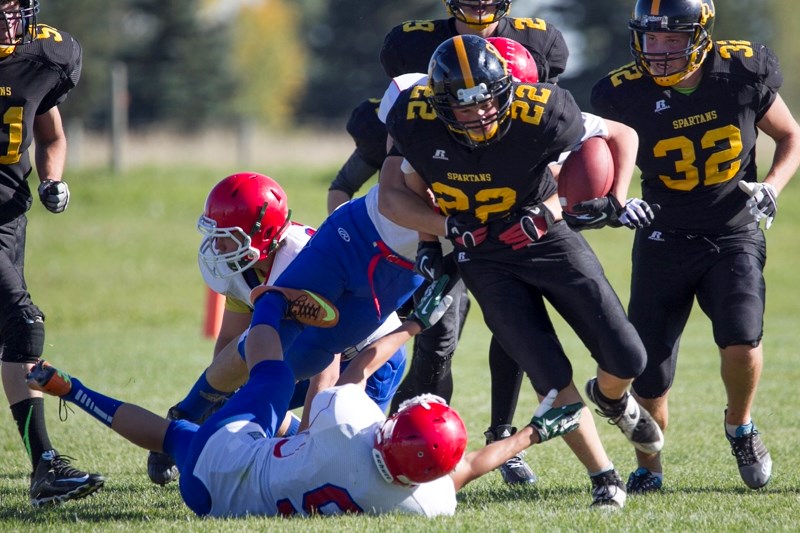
[368, 132]
[65, 52]
[390, 56]
[556, 56]
[772, 77]
[600, 101]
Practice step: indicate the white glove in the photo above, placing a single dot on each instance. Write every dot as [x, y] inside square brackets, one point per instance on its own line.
[637, 213]
[763, 201]
[54, 195]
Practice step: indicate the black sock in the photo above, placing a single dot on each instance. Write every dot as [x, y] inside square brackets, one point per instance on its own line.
[29, 416]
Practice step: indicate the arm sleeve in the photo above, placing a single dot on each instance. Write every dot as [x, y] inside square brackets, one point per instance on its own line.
[353, 174]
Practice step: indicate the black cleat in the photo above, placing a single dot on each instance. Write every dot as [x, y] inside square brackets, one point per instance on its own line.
[161, 468]
[55, 481]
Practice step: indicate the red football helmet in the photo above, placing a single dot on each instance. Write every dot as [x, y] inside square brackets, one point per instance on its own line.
[423, 441]
[521, 64]
[251, 211]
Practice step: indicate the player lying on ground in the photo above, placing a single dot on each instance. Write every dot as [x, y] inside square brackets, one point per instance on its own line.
[351, 459]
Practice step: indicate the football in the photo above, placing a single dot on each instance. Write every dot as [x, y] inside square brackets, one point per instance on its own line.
[586, 173]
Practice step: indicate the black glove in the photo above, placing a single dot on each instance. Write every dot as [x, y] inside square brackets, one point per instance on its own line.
[534, 221]
[465, 230]
[595, 213]
[54, 195]
[638, 214]
[430, 262]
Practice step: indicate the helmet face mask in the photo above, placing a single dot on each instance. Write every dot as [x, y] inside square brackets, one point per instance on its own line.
[18, 23]
[478, 12]
[469, 87]
[220, 263]
[692, 20]
[245, 217]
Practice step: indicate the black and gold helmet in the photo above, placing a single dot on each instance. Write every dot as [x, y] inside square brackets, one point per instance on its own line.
[693, 18]
[478, 12]
[18, 22]
[467, 71]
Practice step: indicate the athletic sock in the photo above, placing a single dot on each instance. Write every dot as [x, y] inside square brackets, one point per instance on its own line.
[29, 416]
[200, 399]
[739, 431]
[99, 406]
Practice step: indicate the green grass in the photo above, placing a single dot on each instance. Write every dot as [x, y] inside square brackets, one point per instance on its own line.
[117, 278]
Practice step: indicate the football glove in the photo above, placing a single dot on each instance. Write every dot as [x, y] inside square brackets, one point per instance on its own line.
[430, 262]
[638, 214]
[432, 303]
[465, 230]
[54, 195]
[532, 226]
[763, 201]
[595, 213]
[549, 421]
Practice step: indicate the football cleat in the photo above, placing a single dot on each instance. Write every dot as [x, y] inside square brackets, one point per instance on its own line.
[753, 458]
[304, 306]
[54, 481]
[633, 420]
[515, 471]
[46, 378]
[643, 481]
[608, 492]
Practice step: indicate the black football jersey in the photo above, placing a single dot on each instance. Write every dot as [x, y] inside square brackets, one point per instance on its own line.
[490, 182]
[694, 149]
[33, 78]
[368, 132]
[408, 47]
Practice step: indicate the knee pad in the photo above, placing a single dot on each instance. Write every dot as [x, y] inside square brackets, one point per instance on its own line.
[23, 338]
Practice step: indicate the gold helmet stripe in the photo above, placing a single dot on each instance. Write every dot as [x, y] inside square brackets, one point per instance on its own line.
[463, 61]
[655, 7]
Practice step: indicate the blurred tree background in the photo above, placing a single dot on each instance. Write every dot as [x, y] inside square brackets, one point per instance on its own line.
[199, 63]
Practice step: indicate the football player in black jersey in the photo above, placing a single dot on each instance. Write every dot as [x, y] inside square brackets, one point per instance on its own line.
[482, 145]
[697, 105]
[407, 49]
[38, 67]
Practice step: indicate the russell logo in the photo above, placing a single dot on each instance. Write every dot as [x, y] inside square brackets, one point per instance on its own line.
[344, 235]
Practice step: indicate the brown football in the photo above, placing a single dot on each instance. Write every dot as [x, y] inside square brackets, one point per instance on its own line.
[586, 173]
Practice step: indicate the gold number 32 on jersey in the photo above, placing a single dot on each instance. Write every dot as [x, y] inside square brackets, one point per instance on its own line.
[720, 166]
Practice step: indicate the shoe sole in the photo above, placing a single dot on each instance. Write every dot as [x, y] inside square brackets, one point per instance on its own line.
[76, 494]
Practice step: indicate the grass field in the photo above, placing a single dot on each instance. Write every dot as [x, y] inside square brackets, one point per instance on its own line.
[117, 278]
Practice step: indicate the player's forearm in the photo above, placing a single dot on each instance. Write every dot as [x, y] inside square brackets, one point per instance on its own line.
[476, 464]
[51, 145]
[404, 200]
[623, 142]
[371, 358]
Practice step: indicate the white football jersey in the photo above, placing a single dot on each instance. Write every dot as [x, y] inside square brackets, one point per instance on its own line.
[327, 469]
